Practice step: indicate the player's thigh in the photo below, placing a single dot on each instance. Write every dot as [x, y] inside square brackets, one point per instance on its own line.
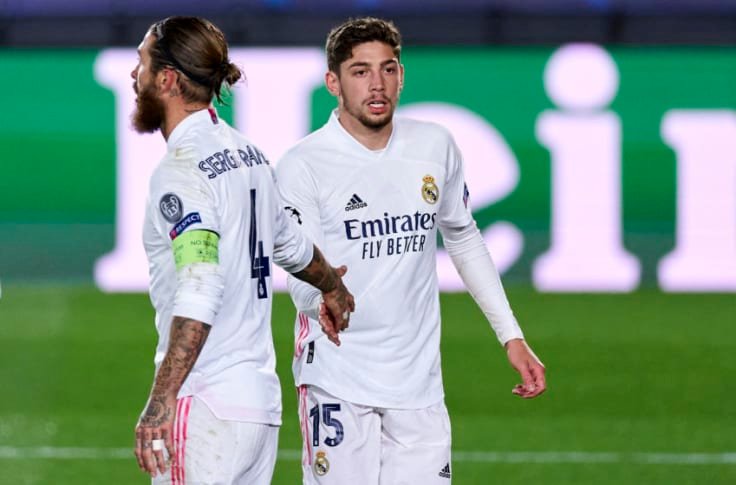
[341, 440]
[416, 446]
[255, 453]
[212, 451]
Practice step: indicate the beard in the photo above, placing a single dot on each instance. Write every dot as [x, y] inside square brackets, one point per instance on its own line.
[149, 110]
[374, 122]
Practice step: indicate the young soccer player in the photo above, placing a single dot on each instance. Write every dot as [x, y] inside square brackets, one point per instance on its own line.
[373, 190]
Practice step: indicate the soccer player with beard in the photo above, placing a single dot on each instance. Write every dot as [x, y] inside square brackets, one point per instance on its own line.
[213, 225]
[373, 189]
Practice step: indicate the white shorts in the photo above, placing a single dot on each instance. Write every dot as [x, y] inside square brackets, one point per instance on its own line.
[362, 445]
[212, 451]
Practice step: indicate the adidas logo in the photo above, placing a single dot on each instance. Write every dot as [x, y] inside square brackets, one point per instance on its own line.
[445, 472]
[355, 202]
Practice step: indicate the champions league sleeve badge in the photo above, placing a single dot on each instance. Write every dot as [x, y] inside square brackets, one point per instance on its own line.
[430, 191]
[171, 207]
[321, 465]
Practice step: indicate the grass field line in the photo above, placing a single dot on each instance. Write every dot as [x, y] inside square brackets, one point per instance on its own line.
[549, 457]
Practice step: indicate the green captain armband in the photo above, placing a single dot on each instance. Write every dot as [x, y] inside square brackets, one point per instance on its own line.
[196, 247]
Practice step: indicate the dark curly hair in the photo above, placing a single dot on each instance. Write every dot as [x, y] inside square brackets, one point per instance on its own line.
[343, 38]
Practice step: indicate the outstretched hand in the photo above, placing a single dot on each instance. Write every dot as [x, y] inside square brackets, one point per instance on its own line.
[530, 368]
[335, 309]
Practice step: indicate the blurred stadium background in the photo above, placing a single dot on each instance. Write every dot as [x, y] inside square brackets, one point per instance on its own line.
[600, 143]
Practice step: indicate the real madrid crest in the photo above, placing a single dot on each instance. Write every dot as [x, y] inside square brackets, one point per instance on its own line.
[321, 465]
[430, 191]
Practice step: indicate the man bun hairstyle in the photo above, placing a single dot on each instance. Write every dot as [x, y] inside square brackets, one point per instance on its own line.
[197, 49]
[355, 31]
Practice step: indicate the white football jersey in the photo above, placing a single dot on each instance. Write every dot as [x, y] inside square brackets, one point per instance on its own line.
[378, 213]
[213, 179]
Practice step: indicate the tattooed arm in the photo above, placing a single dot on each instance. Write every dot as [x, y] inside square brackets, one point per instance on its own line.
[337, 300]
[186, 340]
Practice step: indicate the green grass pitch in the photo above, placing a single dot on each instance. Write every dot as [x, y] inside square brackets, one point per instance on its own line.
[641, 388]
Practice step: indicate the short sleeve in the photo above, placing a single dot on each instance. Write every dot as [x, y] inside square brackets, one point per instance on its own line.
[454, 210]
[293, 250]
[182, 210]
[299, 195]
[181, 201]
[300, 199]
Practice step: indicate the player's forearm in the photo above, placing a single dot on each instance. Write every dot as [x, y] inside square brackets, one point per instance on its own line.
[475, 266]
[185, 344]
[319, 273]
[338, 302]
[306, 297]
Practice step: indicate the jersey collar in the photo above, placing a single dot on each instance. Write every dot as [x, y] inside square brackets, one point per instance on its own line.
[203, 117]
[334, 123]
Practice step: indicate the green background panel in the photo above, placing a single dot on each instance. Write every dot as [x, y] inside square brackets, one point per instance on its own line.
[58, 144]
[57, 193]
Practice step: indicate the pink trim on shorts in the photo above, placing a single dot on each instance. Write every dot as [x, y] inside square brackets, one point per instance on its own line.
[307, 451]
[303, 332]
[183, 406]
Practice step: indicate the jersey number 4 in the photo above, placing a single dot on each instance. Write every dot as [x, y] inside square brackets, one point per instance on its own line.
[259, 263]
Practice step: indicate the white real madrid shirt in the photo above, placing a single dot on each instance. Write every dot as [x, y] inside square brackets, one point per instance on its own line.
[213, 179]
[378, 213]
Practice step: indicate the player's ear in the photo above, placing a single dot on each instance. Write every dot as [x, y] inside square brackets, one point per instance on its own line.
[332, 81]
[167, 79]
[401, 77]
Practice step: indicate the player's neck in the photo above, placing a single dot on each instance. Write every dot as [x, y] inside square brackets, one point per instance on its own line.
[371, 138]
[175, 114]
